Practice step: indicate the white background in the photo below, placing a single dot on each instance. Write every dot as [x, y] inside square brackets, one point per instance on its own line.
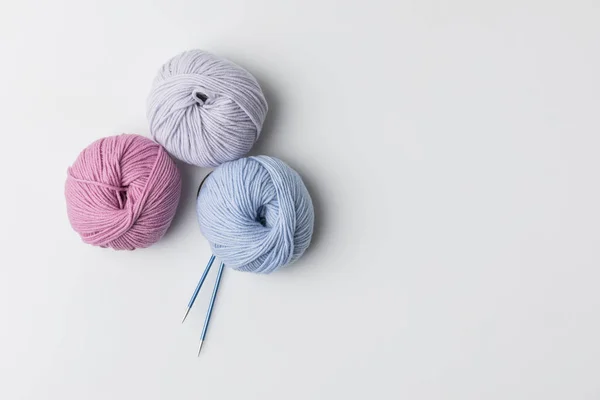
[452, 151]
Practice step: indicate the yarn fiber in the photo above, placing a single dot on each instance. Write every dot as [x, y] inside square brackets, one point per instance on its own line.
[256, 214]
[122, 192]
[205, 110]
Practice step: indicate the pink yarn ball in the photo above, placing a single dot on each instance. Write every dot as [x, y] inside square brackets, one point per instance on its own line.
[122, 192]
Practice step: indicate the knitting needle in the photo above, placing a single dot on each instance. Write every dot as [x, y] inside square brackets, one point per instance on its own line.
[200, 282]
[210, 307]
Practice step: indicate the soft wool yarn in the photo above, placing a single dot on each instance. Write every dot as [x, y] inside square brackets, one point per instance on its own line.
[122, 192]
[205, 110]
[256, 214]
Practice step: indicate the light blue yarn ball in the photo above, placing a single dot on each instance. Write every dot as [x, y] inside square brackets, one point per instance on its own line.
[205, 110]
[256, 214]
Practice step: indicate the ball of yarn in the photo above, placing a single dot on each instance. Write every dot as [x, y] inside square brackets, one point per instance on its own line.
[256, 214]
[122, 192]
[205, 110]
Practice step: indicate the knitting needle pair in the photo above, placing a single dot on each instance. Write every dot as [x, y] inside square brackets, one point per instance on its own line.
[212, 299]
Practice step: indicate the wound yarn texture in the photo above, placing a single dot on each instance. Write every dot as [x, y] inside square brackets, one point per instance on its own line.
[122, 192]
[205, 110]
[256, 214]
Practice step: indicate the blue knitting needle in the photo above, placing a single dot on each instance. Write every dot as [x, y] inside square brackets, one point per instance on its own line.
[210, 307]
[200, 282]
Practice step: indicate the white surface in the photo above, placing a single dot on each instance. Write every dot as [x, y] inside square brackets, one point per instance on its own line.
[452, 152]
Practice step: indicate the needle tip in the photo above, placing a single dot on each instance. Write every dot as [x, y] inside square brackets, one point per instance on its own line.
[200, 347]
[186, 314]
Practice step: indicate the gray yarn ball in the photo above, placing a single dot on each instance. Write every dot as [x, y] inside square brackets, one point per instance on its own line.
[205, 110]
